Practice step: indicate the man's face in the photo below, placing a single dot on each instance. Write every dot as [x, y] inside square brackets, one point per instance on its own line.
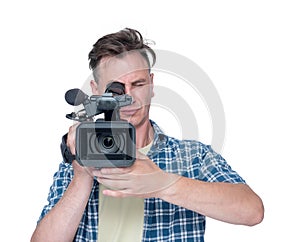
[131, 70]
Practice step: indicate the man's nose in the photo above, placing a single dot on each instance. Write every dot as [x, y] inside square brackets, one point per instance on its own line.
[127, 90]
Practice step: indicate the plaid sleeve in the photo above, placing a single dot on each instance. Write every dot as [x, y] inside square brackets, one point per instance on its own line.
[61, 181]
[214, 168]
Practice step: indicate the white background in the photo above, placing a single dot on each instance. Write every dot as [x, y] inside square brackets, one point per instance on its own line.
[249, 49]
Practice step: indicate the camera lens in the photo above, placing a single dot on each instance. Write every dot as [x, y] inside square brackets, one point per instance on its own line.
[108, 142]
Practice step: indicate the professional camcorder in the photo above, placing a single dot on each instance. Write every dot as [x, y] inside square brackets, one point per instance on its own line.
[108, 142]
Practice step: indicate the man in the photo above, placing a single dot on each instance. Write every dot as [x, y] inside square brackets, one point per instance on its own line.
[181, 182]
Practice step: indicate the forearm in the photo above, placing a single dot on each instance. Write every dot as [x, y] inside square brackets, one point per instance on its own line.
[232, 203]
[61, 223]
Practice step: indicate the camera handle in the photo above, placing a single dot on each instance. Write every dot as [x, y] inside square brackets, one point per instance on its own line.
[112, 115]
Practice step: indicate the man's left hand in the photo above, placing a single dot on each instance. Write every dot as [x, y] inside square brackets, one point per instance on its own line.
[143, 179]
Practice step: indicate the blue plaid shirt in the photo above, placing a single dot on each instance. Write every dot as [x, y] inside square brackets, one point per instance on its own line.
[163, 221]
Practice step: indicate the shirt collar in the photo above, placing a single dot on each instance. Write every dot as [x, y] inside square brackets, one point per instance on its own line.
[160, 139]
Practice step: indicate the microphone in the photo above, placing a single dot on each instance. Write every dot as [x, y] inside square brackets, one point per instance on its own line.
[75, 97]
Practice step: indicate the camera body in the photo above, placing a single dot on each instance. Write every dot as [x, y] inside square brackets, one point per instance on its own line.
[108, 142]
[105, 144]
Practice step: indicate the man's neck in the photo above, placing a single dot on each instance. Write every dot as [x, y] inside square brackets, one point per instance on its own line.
[144, 134]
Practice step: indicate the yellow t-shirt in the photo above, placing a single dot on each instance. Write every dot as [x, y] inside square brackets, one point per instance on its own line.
[121, 219]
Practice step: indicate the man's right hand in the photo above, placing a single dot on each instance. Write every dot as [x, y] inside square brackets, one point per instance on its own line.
[79, 171]
[62, 221]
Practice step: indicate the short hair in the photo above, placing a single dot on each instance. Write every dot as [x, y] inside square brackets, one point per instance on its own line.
[118, 43]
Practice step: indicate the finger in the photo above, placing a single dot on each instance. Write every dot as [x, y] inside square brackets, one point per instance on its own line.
[103, 173]
[117, 185]
[110, 175]
[113, 193]
[71, 138]
[112, 171]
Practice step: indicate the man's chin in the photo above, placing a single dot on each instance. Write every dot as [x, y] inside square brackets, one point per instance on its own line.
[130, 119]
[127, 118]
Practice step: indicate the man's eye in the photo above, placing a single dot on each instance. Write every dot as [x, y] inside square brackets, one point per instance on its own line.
[139, 84]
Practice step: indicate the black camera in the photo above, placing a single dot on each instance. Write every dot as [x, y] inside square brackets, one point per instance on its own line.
[108, 142]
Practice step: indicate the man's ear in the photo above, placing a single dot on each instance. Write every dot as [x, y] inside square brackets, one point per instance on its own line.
[94, 87]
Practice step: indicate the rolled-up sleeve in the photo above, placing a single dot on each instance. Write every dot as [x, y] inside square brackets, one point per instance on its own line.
[214, 168]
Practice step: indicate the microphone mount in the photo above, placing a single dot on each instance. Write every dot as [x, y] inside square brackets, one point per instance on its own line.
[108, 103]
